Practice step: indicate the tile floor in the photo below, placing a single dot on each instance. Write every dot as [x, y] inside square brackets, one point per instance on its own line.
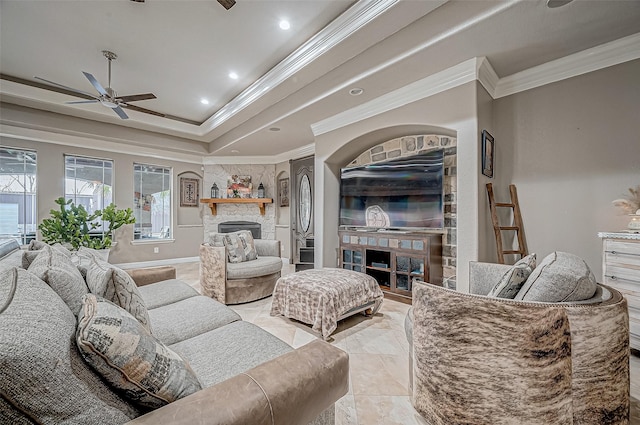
[378, 354]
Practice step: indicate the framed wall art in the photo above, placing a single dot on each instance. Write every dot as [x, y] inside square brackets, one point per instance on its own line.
[283, 192]
[488, 150]
[189, 192]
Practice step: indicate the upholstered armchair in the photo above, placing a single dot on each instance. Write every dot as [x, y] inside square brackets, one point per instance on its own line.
[482, 360]
[234, 283]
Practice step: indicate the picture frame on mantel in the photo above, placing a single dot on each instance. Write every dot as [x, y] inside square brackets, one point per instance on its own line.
[283, 192]
[488, 150]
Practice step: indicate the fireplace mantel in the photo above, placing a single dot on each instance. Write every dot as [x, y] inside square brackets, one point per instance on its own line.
[213, 202]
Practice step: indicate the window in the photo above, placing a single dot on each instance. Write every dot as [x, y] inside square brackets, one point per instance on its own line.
[18, 195]
[152, 201]
[88, 181]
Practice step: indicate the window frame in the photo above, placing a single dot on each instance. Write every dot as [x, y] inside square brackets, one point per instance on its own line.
[23, 237]
[138, 238]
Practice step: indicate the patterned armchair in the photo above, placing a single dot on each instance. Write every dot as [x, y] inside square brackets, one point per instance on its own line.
[481, 360]
[234, 283]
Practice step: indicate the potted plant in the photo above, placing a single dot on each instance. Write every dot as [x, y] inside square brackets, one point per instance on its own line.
[72, 225]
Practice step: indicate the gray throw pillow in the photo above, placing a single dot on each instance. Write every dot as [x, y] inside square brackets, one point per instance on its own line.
[560, 277]
[511, 282]
[42, 373]
[240, 246]
[114, 284]
[216, 239]
[129, 358]
[55, 267]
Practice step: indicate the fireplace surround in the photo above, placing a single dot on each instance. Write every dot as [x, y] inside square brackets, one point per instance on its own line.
[234, 226]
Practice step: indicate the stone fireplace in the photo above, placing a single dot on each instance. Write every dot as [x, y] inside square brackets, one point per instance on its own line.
[234, 226]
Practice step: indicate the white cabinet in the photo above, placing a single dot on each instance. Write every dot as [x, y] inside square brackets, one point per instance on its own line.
[621, 270]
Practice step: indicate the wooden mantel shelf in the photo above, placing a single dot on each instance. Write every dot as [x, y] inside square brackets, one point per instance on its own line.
[213, 202]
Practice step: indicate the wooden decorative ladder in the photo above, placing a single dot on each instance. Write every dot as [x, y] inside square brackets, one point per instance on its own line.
[517, 221]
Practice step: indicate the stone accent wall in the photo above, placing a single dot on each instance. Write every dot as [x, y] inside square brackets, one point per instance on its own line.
[417, 144]
[265, 174]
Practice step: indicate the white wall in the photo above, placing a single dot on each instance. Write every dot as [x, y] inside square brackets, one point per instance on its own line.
[575, 147]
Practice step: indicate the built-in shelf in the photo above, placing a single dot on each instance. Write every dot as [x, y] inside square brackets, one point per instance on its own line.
[213, 202]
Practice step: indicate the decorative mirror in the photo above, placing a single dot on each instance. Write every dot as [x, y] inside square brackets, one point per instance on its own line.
[305, 202]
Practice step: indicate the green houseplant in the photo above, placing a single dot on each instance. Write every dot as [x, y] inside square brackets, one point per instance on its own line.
[71, 225]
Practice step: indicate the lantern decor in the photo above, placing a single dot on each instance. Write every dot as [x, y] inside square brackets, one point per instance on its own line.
[215, 193]
[261, 192]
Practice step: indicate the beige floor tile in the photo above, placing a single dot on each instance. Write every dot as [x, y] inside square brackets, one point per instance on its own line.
[386, 410]
[377, 374]
[378, 357]
[375, 341]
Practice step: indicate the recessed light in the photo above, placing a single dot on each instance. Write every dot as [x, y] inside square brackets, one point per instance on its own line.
[274, 129]
[233, 75]
[204, 101]
[284, 24]
[235, 151]
[356, 91]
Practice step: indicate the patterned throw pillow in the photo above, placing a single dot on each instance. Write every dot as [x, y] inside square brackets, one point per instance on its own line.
[55, 267]
[512, 281]
[115, 285]
[240, 246]
[129, 358]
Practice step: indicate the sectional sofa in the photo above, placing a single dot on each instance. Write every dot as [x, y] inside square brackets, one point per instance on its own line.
[233, 372]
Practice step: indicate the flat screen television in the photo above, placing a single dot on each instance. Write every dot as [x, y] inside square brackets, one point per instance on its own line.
[400, 193]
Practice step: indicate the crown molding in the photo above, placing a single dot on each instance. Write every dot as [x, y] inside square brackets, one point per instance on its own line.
[301, 152]
[613, 53]
[437, 83]
[599, 57]
[345, 25]
[108, 144]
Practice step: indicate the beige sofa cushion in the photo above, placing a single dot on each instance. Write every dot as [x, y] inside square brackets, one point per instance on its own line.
[55, 267]
[560, 277]
[261, 266]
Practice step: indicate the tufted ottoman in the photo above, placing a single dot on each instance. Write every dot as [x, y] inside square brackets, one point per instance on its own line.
[322, 297]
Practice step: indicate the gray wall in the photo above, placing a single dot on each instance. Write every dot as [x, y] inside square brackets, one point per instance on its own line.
[571, 148]
[51, 186]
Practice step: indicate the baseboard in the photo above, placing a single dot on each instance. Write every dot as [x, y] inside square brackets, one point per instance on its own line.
[153, 263]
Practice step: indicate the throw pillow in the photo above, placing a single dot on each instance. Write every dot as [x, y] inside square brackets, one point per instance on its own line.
[35, 245]
[240, 246]
[55, 267]
[115, 285]
[560, 277]
[216, 239]
[511, 282]
[130, 359]
[42, 373]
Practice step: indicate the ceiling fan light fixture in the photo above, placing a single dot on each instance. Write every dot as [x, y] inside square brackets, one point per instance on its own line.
[552, 4]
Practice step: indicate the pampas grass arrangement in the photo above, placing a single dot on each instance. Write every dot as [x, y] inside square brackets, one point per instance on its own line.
[630, 204]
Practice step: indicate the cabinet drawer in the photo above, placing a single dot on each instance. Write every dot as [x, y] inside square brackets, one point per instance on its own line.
[616, 275]
[619, 252]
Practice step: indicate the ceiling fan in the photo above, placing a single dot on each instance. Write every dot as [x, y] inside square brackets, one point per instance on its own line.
[227, 4]
[107, 96]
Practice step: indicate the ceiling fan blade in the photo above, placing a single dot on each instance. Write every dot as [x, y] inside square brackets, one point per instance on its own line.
[136, 97]
[66, 87]
[139, 109]
[82, 101]
[118, 110]
[227, 4]
[96, 84]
